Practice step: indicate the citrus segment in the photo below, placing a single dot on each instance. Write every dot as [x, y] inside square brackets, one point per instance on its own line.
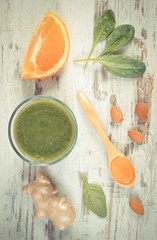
[48, 50]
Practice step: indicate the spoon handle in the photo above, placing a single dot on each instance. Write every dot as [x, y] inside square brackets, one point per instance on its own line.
[93, 118]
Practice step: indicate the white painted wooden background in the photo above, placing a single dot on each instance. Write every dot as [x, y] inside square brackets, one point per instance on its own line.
[18, 19]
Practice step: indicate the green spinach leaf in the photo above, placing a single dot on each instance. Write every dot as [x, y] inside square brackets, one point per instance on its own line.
[94, 198]
[119, 38]
[122, 66]
[102, 28]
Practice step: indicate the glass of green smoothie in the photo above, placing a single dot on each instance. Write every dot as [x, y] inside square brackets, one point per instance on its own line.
[42, 130]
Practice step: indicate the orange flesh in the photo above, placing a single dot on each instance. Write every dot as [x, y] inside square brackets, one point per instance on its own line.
[52, 47]
[122, 170]
[48, 49]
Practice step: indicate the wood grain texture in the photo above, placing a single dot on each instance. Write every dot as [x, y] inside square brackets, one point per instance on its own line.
[18, 20]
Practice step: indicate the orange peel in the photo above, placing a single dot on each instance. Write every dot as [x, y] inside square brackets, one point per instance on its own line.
[48, 50]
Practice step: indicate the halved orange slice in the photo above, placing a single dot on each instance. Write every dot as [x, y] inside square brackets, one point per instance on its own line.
[48, 50]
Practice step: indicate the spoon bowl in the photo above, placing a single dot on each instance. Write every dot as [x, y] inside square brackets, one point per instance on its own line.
[121, 168]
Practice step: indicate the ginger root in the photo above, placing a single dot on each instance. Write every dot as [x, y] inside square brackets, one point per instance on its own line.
[46, 203]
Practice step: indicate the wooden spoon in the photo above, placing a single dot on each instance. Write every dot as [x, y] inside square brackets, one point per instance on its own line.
[122, 170]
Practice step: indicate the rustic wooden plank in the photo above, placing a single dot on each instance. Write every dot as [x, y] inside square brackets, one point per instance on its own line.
[18, 20]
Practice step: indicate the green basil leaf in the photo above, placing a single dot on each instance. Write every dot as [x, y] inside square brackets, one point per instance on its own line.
[94, 198]
[102, 28]
[122, 66]
[119, 38]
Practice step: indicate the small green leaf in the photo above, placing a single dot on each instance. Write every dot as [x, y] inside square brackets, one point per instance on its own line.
[94, 198]
[102, 28]
[122, 66]
[119, 38]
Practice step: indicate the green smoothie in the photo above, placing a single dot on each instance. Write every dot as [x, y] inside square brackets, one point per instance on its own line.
[44, 130]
